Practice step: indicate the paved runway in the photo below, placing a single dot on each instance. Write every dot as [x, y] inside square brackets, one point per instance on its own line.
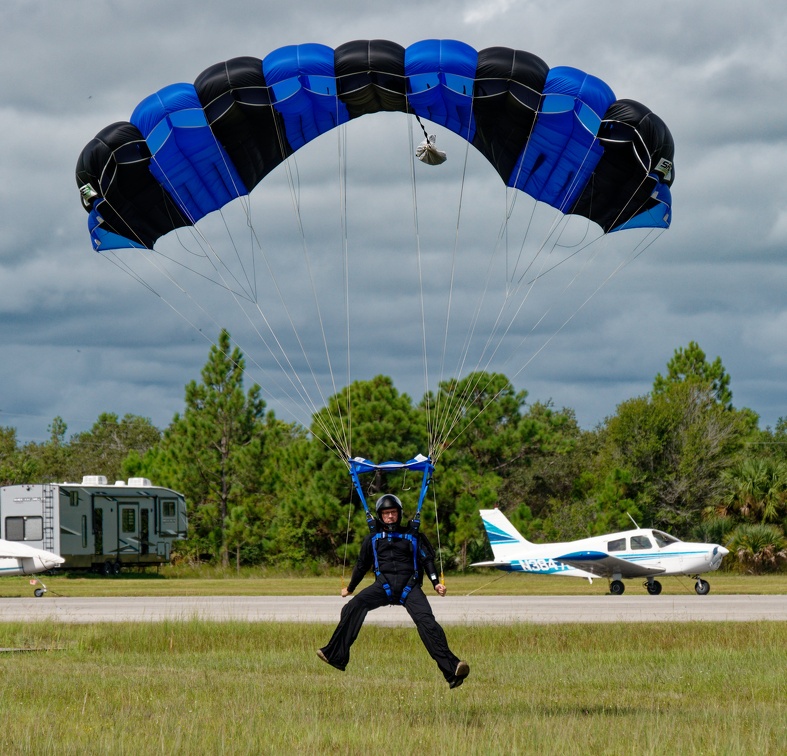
[466, 610]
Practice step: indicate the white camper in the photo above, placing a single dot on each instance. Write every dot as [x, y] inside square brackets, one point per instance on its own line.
[95, 525]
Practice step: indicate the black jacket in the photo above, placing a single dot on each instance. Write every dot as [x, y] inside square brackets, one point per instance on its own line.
[395, 559]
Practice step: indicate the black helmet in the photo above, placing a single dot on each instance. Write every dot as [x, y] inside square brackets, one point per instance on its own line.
[389, 501]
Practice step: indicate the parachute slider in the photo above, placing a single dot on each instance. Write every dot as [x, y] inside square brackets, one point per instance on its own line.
[428, 153]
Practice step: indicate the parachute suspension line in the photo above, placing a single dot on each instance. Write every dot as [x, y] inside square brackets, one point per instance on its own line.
[454, 412]
[333, 432]
[654, 233]
[439, 420]
[414, 192]
[111, 257]
[347, 539]
[307, 259]
[502, 238]
[290, 371]
[342, 146]
[499, 329]
[619, 267]
[437, 531]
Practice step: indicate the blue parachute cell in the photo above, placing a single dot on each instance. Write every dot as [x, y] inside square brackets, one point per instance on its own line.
[186, 159]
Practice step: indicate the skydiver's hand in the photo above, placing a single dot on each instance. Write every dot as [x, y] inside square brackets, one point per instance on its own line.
[345, 593]
[441, 589]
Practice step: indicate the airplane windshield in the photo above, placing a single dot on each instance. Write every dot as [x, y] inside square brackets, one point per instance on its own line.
[662, 539]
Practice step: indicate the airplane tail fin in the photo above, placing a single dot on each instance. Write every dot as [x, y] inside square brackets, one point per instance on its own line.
[504, 538]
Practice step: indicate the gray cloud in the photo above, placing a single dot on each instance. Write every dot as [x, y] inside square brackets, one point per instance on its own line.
[79, 336]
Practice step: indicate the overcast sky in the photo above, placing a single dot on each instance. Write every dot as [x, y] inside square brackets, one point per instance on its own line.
[78, 336]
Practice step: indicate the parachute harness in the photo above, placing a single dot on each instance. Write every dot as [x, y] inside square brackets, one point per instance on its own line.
[359, 466]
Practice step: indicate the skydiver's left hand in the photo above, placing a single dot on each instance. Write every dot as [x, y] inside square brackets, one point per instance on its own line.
[441, 589]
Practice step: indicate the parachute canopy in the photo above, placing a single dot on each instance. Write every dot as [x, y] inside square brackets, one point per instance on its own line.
[557, 134]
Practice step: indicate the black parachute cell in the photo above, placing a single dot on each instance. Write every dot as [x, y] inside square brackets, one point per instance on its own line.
[638, 156]
[238, 108]
[506, 98]
[116, 162]
[370, 76]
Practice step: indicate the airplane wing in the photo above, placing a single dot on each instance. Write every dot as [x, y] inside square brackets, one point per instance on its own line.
[506, 564]
[16, 550]
[605, 565]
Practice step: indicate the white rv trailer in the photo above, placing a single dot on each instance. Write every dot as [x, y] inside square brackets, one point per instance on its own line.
[93, 524]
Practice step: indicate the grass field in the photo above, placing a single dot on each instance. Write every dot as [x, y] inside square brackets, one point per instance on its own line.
[210, 581]
[258, 688]
[193, 687]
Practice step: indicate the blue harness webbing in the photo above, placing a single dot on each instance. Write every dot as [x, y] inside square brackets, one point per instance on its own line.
[413, 540]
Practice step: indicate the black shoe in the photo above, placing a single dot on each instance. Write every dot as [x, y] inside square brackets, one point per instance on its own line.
[462, 671]
[322, 656]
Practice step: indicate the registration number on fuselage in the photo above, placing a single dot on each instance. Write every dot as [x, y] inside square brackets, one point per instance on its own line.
[541, 565]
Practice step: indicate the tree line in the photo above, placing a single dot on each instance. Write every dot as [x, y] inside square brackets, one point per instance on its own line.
[262, 491]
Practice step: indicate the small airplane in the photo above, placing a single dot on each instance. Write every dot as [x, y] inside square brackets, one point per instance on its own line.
[20, 559]
[643, 552]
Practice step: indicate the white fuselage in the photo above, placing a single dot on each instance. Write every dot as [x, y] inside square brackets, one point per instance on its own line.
[639, 547]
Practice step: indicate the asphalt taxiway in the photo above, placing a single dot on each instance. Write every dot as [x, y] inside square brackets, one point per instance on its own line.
[449, 610]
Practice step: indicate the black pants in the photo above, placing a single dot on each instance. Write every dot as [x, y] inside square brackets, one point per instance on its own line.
[374, 596]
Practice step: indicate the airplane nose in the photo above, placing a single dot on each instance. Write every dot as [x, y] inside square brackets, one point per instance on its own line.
[718, 553]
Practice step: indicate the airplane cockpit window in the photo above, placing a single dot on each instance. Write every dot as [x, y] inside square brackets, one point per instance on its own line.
[663, 539]
[618, 544]
[640, 542]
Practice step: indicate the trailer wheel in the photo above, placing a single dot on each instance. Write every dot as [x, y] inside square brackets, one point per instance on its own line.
[116, 568]
[107, 569]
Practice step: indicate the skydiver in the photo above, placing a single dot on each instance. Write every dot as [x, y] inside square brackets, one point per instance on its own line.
[399, 556]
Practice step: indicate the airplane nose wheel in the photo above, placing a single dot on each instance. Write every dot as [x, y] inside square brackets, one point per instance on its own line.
[616, 587]
[702, 587]
[654, 587]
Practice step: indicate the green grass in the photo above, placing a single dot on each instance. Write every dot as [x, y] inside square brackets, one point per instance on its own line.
[210, 581]
[258, 688]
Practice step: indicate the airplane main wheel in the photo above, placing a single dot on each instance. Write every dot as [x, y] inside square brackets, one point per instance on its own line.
[616, 587]
[702, 587]
[654, 588]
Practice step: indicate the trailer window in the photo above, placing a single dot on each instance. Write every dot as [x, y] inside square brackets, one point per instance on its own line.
[129, 520]
[73, 498]
[24, 528]
[168, 509]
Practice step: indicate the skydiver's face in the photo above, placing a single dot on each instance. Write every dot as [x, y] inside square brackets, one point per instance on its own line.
[389, 516]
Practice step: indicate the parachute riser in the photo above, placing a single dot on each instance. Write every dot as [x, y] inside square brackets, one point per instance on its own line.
[359, 489]
[425, 482]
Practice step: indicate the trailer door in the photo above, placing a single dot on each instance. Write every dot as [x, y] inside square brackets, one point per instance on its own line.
[128, 528]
